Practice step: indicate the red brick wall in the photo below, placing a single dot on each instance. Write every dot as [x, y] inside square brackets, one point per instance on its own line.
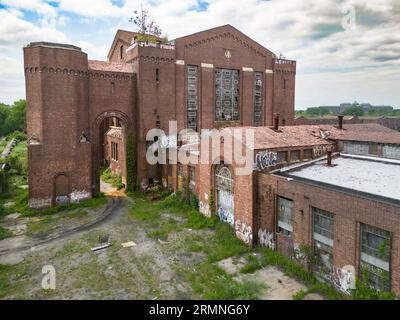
[349, 211]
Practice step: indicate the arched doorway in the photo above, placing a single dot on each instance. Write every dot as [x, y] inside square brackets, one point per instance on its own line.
[224, 191]
[110, 132]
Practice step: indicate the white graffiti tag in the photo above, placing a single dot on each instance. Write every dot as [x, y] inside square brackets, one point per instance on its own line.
[265, 159]
[244, 232]
[266, 239]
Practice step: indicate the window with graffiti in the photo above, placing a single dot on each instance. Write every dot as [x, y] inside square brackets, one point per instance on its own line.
[224, 189]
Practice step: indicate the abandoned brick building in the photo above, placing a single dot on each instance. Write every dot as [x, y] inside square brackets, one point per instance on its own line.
[218, 78]
[209, 79]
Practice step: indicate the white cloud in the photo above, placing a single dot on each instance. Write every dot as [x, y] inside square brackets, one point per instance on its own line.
[16, 32]
[357, 63]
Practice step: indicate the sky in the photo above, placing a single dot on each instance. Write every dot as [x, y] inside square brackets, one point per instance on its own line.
[346, 50]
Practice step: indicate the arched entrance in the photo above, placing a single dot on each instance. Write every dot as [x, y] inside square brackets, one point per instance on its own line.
[223, 181]
[110, 132]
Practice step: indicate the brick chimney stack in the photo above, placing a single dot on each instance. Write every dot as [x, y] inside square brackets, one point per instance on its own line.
[329, 158]
[276, 121]
[340, 119]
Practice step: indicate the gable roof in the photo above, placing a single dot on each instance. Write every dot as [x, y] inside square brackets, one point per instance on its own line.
[123, 35]
[221, 30]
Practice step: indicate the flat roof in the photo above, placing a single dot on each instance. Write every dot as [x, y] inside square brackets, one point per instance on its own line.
[375, 176]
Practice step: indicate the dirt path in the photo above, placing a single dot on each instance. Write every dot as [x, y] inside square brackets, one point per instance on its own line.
[12, 250]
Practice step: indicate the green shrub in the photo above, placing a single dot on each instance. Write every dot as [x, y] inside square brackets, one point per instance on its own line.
[4, 233]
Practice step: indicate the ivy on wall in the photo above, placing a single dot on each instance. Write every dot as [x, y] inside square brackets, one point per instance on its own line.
[131, 168]
[211, 202]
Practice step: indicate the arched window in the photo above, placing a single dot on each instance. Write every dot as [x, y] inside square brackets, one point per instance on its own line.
[121, 52]
[223, 178]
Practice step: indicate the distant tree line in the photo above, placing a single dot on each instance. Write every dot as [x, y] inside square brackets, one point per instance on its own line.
[354, 109]
[12, 117]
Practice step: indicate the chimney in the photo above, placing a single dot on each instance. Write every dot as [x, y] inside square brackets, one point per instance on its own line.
[276, 121]
[340, 119]
[329, 158]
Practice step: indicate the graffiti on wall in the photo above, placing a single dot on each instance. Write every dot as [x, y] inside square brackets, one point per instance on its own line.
[265, 159]
[38, 203]
[344, 278]
[319, 151]
[225, 215]
[204, 209]
[62, 199]
[244, 232]
[78, 196]
[266, 239]
[225, 207]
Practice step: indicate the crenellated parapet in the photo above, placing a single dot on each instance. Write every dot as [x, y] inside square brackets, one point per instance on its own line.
[284, 66]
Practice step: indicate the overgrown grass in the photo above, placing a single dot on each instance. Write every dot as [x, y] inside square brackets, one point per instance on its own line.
[195, 220]
[252, 265]
[291, 268]
[212, 282]
[114, 179]
[5, 233]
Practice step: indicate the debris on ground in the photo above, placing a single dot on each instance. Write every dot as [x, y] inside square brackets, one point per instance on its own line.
[162, 242]
[101, 246]
[104, 243]
[128, 244]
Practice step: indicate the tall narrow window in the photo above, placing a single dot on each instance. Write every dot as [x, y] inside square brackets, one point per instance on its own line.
[323, 241]
[375, 256]
[226, 95]
[257, 98]
[285, 216]
[192, 98]
[157, 75]
[114, 151]
[284, 84]
[121, 52]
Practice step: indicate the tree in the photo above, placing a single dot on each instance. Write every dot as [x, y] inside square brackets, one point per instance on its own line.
[354, 109]
[12, 118]
[148, 29]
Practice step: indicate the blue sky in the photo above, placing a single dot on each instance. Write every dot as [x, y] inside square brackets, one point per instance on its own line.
[345, 50]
